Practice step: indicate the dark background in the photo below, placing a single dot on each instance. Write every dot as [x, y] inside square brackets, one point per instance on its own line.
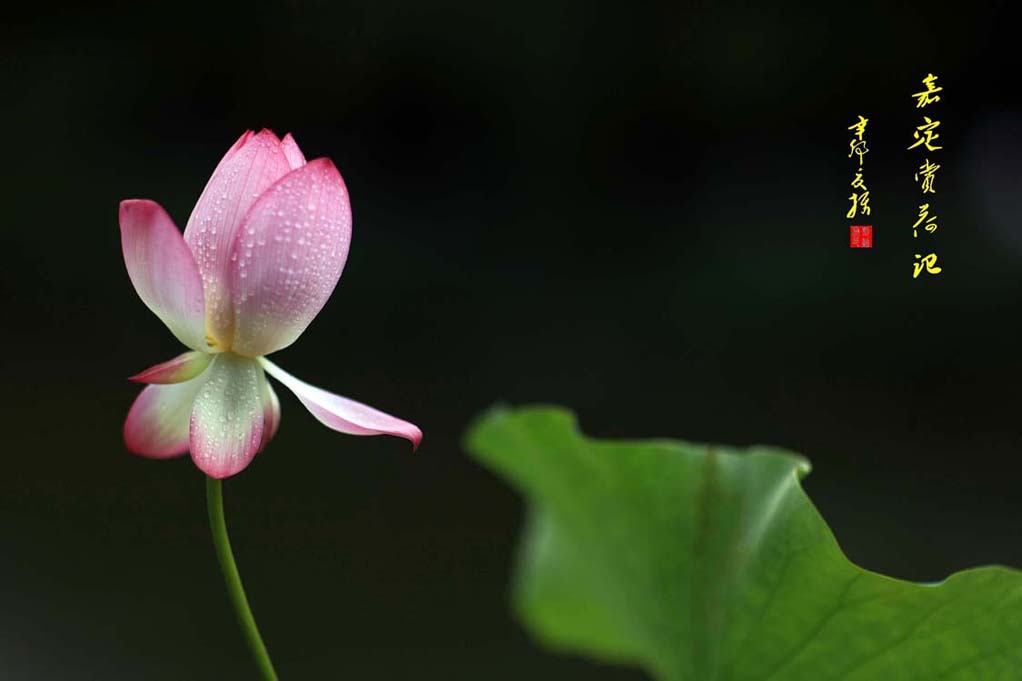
[635, 211]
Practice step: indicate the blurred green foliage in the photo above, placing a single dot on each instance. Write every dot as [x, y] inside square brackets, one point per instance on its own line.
[699, 562]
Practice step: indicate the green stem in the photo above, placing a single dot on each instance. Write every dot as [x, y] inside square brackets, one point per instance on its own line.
[218, 526]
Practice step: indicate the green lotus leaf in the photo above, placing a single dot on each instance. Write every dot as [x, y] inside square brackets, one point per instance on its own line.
[707, 563]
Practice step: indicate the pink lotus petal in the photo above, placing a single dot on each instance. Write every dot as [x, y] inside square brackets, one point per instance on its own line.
[295, 157]
[227, 417]
[182, 368]
[163, 270]
[157, 423]
[288, 256]
[271, 410]
[242, 141]
[342, 414]
[254, 163]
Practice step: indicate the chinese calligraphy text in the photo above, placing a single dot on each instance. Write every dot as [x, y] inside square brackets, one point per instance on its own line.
[925, 136]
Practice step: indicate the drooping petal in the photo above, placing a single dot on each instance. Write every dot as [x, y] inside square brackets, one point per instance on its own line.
[157, 423]
[295, 157]
[342, 414]
[271, 410]
[227, 417]
[182, 368]
[163, 270]
[288, 256]
[254, 163]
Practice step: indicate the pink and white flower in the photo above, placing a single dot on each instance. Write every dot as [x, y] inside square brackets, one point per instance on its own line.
[261, 253]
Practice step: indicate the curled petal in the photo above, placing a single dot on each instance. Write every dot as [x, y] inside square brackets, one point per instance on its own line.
[271, 410]
[157, 424]
[226, 426]
[182, 368]
[288, 256]
[163, 270]
[254, 163]
[342, 414]
[295, 157]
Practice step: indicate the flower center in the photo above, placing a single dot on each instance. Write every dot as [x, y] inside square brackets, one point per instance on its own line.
[214, 343]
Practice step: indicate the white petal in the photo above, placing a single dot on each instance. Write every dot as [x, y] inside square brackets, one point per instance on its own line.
[342, 414]
[227, 418]
[157, 423]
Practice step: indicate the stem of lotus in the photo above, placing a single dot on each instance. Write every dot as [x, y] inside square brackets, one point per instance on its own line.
[236, 592]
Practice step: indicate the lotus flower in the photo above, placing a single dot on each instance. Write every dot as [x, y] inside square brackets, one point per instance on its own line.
[261, 253]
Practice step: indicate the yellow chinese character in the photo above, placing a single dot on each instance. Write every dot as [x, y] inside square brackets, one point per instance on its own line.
[929, 135]
[858, 144]
[928, 262]
[860, 202]
[928, 170]
[859, 148]
[860, 127]
[924, 216]
[924, 98]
